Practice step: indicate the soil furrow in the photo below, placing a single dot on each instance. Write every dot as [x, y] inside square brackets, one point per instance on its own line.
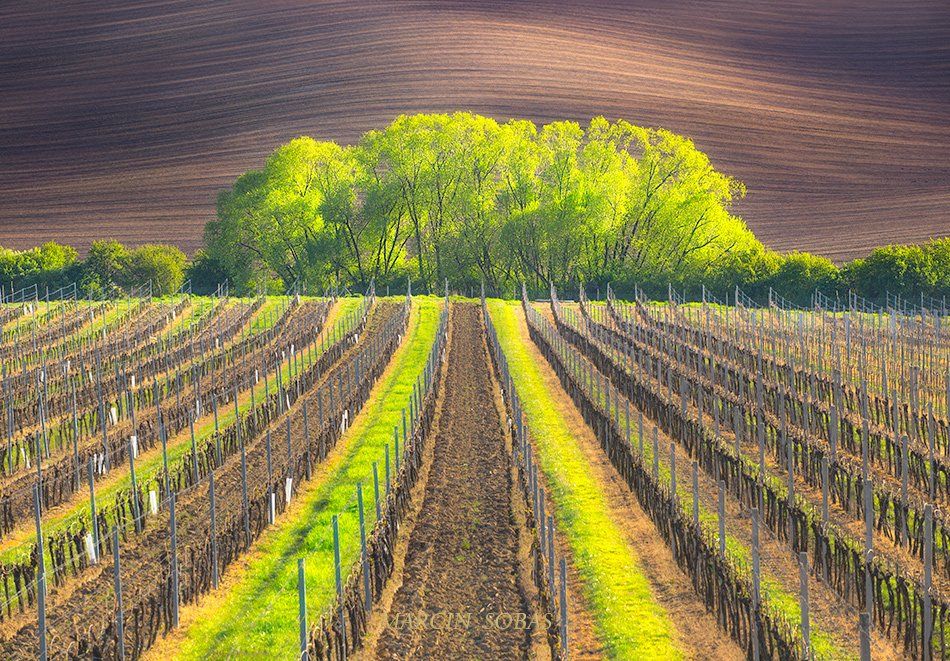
[462, 596]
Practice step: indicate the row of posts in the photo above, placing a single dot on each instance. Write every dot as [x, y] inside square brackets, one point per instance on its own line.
[602, 391]
[94, 544]
[867, 615]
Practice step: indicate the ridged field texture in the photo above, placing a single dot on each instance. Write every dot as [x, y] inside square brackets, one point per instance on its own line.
[125, 119]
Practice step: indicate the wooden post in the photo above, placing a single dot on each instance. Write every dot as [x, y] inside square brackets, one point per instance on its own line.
[376, 490]
[541, 519]
[737, 430]
[824, 490]
[760, 436]
[790, 452]
[716, 415]
[803, 597]
[930, 451]
[302, 616]
[396, 448]
[536, 495]
[928, 581]
[835, 430]
[640, 432]
[135, 490]
[120, 615]
[245, 505]
[367, 589]
[626, 405]
[214, 535]
[163, 436]
[865, 449]
[868, 544]
[696, 494]
[864, 630]
[564, 632]
[174, 558]
[673, 472]
[656, 454]
[904, 479]
[756, 583]
[40, 577]
[339, 579]
[722, 518]
[76, 463]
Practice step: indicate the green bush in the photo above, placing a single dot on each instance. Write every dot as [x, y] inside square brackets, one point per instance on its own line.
[50, 265]
[905, 270]
[799, 274]
[162, 265]
[206, 274]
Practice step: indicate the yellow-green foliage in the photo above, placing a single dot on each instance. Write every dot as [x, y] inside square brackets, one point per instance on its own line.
[468, 198]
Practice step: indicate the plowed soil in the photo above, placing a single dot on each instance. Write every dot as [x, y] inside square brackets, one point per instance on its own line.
[126, 119]
[461, 576]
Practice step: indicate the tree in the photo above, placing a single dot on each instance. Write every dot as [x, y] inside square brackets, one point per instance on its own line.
[270, 221]
[103, 267]
[906, 270]
[799, 274]
[163, 265]
[206, 273]
[464, 198]
[51, 265]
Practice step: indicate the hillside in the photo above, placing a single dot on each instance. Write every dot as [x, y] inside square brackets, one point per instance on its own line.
[126, 121]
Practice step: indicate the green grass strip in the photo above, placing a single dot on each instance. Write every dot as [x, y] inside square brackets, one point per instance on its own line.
[629, 620]
[258, 614]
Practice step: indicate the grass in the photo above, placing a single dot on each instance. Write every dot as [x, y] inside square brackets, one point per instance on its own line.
[256, 612]
[629, 620]
[268, 315]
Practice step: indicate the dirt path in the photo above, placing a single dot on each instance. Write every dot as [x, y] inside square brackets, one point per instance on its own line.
[462, 567]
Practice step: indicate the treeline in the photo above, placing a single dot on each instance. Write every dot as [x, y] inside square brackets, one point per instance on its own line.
[907, 271]
[467, 199]
[109, 268]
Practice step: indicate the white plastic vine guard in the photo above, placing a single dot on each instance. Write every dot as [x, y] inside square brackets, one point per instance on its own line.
[90, 549]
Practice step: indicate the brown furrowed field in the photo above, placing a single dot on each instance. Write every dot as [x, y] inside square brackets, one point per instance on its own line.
[125, 120]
